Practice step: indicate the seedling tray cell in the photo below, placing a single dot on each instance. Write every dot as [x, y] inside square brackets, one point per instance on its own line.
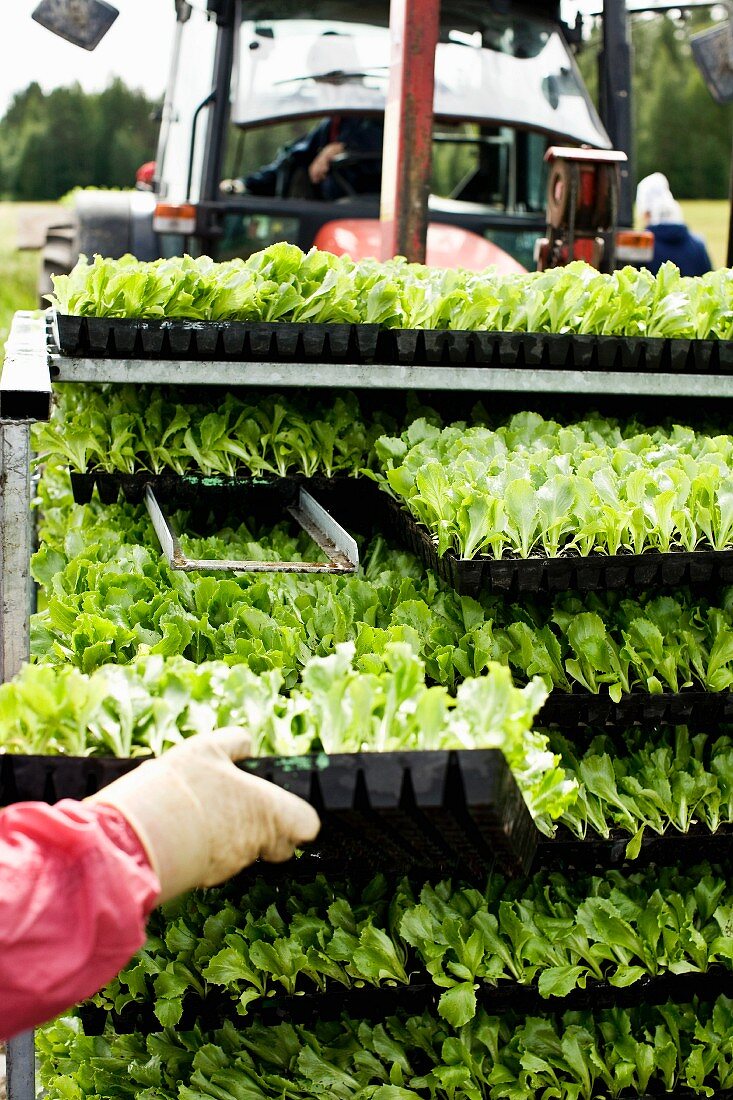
[594, 573]
[450, 811]
[283, 341]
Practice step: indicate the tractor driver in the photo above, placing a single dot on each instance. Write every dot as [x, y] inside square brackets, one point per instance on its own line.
[305, 168]
[306, 165]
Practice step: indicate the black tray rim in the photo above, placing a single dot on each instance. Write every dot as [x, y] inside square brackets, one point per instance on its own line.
[394, 346]
[553, 574]
[378, 1002]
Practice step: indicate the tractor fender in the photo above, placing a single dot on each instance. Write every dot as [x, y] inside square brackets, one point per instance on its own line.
[110, 223]
[447, 245]
[113, 223]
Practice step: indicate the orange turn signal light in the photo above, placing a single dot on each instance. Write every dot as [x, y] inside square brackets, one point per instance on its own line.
[634, 246]
[175, 218]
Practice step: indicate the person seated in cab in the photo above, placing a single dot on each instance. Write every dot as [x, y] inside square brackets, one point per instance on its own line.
[308, 162]
[305, 168]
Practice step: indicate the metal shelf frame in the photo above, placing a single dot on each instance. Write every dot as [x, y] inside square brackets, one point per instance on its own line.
[31, 367]
[354, 376]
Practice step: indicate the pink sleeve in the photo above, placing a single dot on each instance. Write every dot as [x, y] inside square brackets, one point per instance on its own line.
[75, 890]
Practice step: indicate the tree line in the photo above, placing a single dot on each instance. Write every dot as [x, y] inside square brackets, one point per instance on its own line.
[678, 128]
[53, 141]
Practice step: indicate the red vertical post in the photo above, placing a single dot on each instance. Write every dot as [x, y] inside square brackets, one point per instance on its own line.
[408, 127]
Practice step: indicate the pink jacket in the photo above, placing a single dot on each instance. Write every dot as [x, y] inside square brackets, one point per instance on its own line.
[75, 890]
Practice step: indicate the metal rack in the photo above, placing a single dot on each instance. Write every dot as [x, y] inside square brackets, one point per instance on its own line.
[329, 536]
[26, 394]
[354, 376]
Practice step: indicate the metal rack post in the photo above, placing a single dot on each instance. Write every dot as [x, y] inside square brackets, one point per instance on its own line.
[15, 545]
[15, 590]
[21, 1067]
[25, 392]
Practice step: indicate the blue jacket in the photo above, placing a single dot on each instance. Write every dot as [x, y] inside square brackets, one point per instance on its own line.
[675, 242]
[358, 134]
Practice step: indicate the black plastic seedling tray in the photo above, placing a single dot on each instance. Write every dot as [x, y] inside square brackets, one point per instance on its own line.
[594, 573]
[374, 1004]
[703, 708]
[672, 847]
[282, 341]
[354, 502]
[189, 486]
[134, 338]
[450, 811]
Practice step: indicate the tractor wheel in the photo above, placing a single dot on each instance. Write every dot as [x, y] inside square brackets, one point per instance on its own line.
[59, 255]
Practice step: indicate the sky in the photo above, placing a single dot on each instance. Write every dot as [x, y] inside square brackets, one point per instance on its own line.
[137, 48]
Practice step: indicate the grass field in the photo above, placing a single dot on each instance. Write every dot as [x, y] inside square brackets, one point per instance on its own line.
[19, 270]
[710, 220]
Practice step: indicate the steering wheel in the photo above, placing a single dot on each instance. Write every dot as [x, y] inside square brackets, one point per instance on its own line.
[348, 159]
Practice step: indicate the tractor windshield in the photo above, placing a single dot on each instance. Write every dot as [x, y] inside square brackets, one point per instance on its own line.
[510, 70]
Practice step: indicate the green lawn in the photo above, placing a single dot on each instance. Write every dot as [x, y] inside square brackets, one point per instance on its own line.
[18, 272]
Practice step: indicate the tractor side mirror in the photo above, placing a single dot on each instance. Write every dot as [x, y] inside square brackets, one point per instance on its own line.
[711, 50]
[713, 53]
[82, 22]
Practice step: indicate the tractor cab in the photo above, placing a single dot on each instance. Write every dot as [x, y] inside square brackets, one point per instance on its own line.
[303, 76]
[257, 90]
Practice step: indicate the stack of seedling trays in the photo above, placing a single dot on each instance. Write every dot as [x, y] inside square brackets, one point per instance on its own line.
[545, 576]
[426, 815]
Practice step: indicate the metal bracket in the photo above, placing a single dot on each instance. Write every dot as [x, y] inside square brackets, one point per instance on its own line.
[337, 544]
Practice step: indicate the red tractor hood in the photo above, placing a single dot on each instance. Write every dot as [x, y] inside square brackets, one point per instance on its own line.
[447, 245]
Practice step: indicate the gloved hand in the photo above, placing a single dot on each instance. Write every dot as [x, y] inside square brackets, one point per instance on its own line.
[200, 819]
[232, 187]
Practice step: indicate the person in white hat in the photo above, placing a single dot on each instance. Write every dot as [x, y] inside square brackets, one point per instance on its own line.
[663, 216]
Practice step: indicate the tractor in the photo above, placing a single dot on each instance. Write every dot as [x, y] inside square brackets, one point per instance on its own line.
[248, 78]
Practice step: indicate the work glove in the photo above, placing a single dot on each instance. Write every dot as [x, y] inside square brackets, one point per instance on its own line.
[200, 819]
[232, 187]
